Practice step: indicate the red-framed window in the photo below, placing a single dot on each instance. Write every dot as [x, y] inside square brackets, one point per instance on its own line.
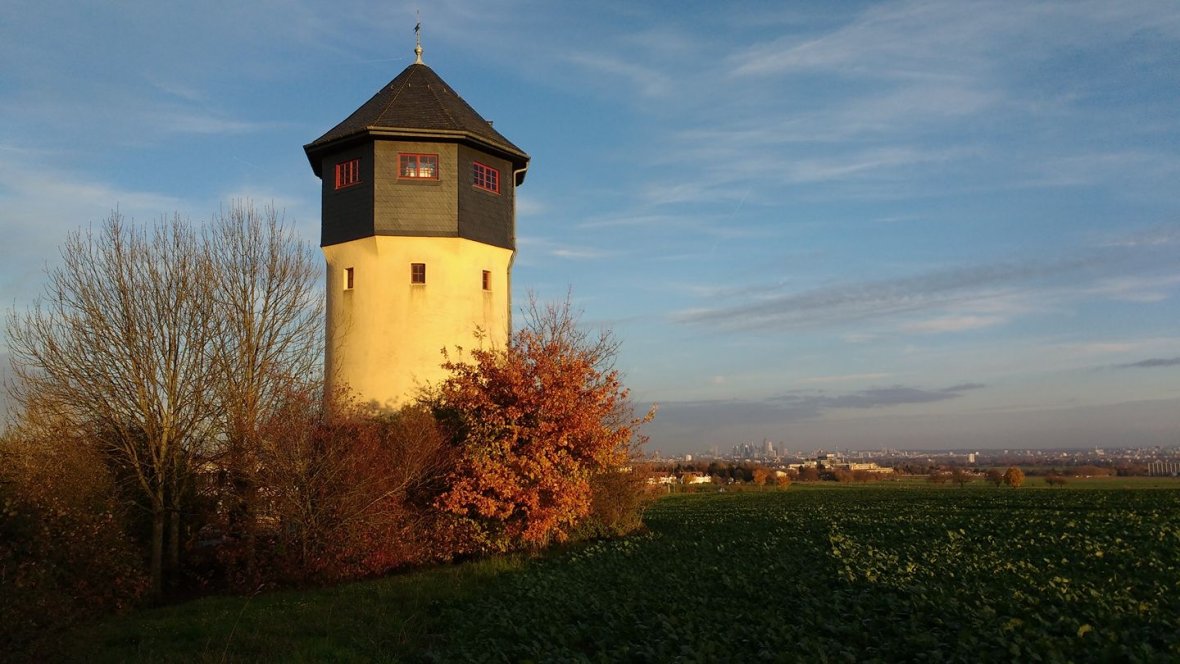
[417, 273]
[485, 177]
[417, 166]
[348, 173]
[487, 280]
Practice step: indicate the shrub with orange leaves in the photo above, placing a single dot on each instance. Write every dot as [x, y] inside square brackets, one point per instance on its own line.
[533, 423]
[343, 490]
[760, 476]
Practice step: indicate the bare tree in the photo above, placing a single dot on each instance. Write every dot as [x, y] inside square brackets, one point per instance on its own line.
[994, 477]
[118, 348]
[268, 318]
[170, 348]
[960, 477]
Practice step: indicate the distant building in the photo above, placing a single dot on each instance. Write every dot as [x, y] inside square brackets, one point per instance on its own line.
[1163, 468]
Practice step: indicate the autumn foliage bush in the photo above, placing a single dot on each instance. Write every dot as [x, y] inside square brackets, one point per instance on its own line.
[1014, 477]
[343, 493]
[536, 426]
[617, 500]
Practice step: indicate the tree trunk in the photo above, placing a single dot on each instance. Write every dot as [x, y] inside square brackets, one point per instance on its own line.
[156, 568]
[174, 542]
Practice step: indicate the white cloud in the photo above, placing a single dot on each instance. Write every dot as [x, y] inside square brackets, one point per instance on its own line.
[879, 162]
[846, 378]
[1091, 168]
[39, 206]
[529, 206]
[959, 288]
[1161, 236]
[645, 81]
[923, 39]
[953, 324]
[577, 253]
[537, 245]
[1144, 289]
[638, 219]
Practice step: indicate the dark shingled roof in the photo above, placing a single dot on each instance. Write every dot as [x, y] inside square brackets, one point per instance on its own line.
[417, 104]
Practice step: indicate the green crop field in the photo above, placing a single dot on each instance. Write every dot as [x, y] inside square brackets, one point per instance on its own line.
[807, 574]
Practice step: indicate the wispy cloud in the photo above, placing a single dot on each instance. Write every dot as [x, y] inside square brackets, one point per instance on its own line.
[766, 416]
[178, 89]
[1137, 289]
[537, 245]
[205, 123]
[529, 206]
[40, 206]
[1151, 363]
[1089, 168]
[645, 81]
[921, 39]
[578, 253]
[953, 324]
[877, 397]
[859, 300]
[846, 378]
[870, 163]
[954, 299]
[1159, 236]
[639, 219]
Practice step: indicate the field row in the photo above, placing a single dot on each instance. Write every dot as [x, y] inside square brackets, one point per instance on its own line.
[854, 575]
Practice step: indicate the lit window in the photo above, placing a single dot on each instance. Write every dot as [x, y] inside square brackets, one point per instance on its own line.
[485, 177]
[417, 273]
[348, 278]
[487, 280]
[348, 173]
[418, 166]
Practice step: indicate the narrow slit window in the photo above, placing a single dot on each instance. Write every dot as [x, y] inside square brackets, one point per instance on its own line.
[485, 177]
[487, 280]
[348, 173]
[417, 273]
[348, 278]
[417, 166]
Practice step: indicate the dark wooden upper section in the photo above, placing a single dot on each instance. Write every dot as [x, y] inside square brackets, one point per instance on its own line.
[416, 104]
[417, 113]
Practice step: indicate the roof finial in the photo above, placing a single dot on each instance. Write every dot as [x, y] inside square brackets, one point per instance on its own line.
[418, 40]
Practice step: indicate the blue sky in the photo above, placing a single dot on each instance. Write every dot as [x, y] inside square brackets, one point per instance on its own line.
[832, 225]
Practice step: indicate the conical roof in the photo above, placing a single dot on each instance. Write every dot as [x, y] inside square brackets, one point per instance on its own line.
[416, 104]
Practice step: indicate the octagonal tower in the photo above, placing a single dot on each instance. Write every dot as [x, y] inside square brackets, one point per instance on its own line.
[419, 234]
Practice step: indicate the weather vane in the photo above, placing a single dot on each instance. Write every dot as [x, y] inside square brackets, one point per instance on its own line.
[418, 39]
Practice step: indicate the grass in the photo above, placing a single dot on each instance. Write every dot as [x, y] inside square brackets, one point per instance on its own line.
[762, 555]
[853, 574]
[376, 620]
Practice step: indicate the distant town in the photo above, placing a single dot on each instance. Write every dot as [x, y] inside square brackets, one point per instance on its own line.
[1157, 461]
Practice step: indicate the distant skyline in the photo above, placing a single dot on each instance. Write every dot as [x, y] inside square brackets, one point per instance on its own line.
[863, 225]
